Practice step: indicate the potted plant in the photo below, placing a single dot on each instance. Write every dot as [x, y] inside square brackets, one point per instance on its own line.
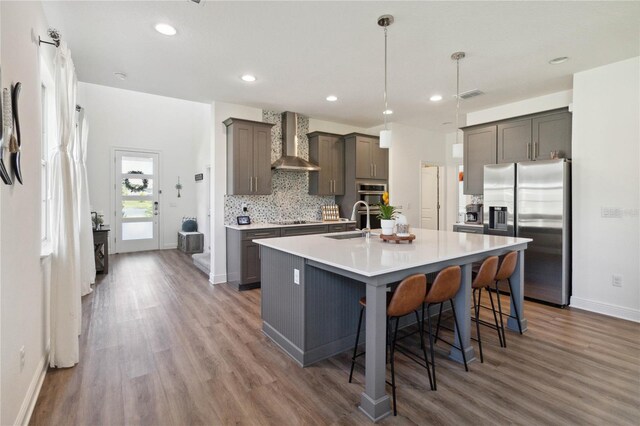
[387, 215]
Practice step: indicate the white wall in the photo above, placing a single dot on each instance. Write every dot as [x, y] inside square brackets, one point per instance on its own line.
[411, 147]
[138, 121]
[24, 295]
[606, 173]
[316, 125]
[451, 183]
[524, 107]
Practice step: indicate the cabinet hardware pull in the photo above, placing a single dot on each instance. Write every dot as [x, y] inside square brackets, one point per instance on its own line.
[375, 169]
[529, 151]
[256, 184]
[371, 169]
[251, 183]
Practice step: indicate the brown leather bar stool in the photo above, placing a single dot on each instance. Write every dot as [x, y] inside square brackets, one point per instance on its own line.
[485, 277]
[407, 298]
[506, 270]
[444, 288]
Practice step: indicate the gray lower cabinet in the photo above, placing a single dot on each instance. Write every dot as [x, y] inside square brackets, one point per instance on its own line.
[326, 150]
[248, 157]
[552, 133]
[479, 150]
[243, 255]
[469, 229]
[371, 161]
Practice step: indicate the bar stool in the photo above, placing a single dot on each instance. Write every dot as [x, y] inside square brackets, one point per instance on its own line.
[444, 288]
[485, 277]
[507, 268]
[407, 298]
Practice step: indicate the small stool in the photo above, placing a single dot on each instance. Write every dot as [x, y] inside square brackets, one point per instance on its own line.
[507, 268]
[190, 242]
[485, 277]
[406, 299]
[444, 288]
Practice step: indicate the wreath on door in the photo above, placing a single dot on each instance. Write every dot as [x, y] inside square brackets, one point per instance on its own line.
[133, 187]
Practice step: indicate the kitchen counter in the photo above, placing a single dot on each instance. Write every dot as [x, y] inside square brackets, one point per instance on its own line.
[275, 225]
[311, 286]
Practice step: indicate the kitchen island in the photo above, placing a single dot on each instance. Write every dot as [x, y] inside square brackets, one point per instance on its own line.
[311, 286]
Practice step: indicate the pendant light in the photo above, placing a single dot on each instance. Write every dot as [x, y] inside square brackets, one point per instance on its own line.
[385, 135]
[457, 148]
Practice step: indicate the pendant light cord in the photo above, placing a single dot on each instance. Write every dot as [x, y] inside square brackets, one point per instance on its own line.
[385, 79]
[457, 100]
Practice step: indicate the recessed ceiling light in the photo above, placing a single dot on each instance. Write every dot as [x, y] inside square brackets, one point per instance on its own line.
[435, 98]
[332, 98]
[165, 29]
[559, 60]
[120, 75]
[248, 78]
[387, 112]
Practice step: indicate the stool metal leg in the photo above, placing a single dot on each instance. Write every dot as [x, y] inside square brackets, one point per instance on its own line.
[476, 306]
[424, 352]
[355, 348]
[433, 353]
[495, 319]
[515, 306]
[393, 373]
[455, 319]
[504, 336]
[438, 324]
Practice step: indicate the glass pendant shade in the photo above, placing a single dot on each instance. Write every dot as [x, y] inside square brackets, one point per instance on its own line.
[385, 138]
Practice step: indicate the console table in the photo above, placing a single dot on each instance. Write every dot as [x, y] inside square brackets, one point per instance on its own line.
[101, 250]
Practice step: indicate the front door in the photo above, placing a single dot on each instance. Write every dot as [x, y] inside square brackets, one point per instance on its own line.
[137, 207]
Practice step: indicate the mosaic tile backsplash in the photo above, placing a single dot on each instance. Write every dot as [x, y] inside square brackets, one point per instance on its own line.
[290, 199]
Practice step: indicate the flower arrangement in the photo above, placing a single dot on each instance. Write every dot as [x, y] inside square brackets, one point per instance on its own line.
[387, 212]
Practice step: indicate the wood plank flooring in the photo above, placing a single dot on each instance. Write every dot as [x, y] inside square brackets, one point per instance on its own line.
[161, 346]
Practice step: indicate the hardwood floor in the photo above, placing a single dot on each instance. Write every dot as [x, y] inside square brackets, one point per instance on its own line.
[161, 346]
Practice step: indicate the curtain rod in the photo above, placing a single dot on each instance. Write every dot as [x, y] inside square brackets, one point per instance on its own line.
[55, 36]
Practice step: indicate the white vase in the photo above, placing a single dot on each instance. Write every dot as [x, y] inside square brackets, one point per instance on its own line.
[387, 226]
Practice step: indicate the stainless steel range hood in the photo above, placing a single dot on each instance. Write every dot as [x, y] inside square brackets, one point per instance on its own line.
[289, 159]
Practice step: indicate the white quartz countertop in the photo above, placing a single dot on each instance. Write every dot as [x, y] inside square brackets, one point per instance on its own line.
[374, 257]
[274, 225]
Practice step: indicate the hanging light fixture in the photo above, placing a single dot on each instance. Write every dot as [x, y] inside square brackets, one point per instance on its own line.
[457, 148]
[385, 135]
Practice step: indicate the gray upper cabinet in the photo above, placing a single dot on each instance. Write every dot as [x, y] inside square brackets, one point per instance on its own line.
[514, 141]
[552, 133]
[248, 157]
[326, 150]
[479, 150]
[526, 138]
[371, 161]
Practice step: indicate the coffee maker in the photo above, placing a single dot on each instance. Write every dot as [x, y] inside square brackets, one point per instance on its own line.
[473, 216]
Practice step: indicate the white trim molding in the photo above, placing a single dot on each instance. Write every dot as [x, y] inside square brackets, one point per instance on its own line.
[217, 279]
[605, 309]
[29, 402]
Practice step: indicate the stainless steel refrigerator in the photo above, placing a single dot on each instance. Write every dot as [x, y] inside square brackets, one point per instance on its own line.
[533, 200]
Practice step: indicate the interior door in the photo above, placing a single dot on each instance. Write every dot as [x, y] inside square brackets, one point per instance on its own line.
[429, 198]
[137, 205]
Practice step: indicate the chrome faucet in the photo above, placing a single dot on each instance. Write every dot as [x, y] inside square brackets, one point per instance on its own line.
[366, 230]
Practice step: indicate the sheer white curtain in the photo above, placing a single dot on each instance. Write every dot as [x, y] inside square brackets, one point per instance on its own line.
[65, 262]
[85, 230]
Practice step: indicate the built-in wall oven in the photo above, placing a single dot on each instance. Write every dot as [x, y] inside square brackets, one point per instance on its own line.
[371, 193]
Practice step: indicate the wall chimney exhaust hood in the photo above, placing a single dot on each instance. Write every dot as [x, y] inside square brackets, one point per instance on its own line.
[289, 159]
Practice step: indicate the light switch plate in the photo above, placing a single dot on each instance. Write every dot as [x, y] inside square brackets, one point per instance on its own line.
[296, 276]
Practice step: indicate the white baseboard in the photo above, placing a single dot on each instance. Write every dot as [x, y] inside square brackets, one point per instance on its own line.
[29, 403]
[217, 279]
[605, 309]
[170, 246]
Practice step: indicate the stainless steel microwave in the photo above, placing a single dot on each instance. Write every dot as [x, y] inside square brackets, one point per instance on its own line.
[371, 193]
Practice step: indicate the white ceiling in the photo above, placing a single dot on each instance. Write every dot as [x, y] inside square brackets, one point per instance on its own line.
[303, 51]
